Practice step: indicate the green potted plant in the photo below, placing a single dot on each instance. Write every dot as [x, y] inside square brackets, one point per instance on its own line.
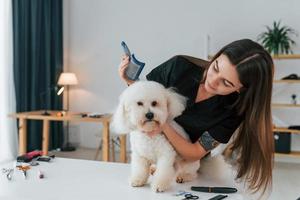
[277, 40]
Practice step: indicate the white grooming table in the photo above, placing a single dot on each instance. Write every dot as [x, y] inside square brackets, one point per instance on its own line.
[70, 179]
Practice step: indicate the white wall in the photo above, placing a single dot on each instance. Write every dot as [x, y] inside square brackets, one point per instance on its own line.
[155, 30]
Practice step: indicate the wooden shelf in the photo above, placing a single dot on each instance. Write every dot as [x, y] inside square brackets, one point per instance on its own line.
[283, 129]
[286, 81]
[286, 56]
[282, 105]
[292, 154]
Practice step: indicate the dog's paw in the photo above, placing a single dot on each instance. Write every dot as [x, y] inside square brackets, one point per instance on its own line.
[152, 169]
[185, 177]
[137, 182]
[179, 179]
[160, 186]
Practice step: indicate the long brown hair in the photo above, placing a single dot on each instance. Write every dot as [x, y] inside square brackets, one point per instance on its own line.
[254, 139]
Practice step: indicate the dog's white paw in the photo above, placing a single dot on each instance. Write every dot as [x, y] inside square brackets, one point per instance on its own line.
[160, 186]
[137, 182]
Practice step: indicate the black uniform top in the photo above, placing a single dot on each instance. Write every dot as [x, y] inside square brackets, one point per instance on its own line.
[214, 115]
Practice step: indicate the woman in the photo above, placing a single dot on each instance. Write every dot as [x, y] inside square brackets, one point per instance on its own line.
[230, 93]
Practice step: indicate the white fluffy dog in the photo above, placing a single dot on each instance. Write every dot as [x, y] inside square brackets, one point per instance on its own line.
[143, 107]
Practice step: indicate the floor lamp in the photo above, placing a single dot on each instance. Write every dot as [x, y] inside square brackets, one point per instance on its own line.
[66, 79]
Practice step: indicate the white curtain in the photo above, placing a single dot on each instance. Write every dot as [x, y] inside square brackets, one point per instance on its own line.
[8, 129]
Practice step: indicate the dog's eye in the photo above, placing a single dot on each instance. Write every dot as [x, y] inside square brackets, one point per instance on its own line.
[139, 103]
[154, 103]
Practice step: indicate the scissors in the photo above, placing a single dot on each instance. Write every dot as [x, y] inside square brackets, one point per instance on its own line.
[190, 196]
[24, 169]
[181, 192]
[8, 173]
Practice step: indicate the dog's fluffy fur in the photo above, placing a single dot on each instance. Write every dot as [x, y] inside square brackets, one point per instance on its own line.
[144, 106]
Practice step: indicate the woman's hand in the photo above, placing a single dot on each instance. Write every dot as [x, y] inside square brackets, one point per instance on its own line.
[154, 132]
[122, 68]
[159, 130]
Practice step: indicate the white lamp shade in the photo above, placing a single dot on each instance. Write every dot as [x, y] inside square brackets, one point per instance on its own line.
[67, 78]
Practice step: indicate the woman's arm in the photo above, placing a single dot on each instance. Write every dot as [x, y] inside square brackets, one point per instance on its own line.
[187, 150]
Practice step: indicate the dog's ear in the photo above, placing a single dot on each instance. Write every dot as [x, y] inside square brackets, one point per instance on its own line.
[176, 103]
[120, 123]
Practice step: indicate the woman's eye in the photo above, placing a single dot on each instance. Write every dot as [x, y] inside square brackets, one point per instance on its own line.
[139, 103]
[216, 68]
[154, 103]
[226, 84]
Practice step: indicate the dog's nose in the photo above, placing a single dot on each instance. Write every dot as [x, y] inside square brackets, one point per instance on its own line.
[149, 115]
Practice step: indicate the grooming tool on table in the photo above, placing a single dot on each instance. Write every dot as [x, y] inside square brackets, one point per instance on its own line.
[181, 192]
[24, 169]
[29, 156]
[190, 196]
[40, 174]
[34, 162]
[45, 158]
[225, 190]
[218, 197]
[9, 172]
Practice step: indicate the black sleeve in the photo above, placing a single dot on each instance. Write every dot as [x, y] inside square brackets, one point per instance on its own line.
[207, 141]
[167, 72]
[223, 131]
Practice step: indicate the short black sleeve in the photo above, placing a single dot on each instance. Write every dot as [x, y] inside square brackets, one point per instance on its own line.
[207, 141]
[224, 130]
[172, 71]
[179, 73]
[162, 73]
[214, 115]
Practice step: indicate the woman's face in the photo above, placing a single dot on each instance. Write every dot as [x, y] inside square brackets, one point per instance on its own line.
[222, 77]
